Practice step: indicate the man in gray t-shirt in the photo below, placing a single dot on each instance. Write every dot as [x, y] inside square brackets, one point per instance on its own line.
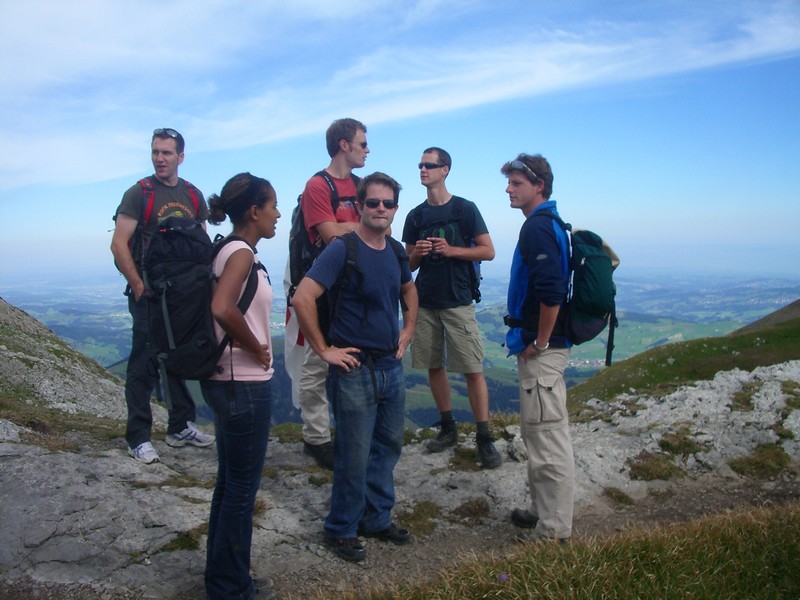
[143, 206]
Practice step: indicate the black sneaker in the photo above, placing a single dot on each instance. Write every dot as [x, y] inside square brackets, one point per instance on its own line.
[448, 436]
[350, 549]
[488, 455]
[523, 518]
[393, 534]
[322, 453]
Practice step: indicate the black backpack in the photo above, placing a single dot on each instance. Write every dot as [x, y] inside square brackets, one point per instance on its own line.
[302, 252]
[177, 269]
[590, 303]
[469, 239]
[329, 302]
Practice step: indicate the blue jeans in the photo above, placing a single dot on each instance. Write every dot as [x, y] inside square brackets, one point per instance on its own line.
[141, 379]
[242, 411]
[367, 445]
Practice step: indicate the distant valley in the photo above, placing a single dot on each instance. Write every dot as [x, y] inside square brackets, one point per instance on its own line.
[93, 318]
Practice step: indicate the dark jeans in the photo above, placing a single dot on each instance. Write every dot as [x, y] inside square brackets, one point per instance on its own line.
[367, 445]
[140, 381]
[242, 411]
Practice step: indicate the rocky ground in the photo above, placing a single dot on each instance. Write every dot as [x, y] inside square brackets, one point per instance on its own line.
[95, 524]
[82, 520]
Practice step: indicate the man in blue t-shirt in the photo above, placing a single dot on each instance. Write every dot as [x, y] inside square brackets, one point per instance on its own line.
[444, 236]
[537, 289]
[364, 347]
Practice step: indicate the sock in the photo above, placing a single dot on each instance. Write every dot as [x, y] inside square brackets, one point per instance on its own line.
[483, 429]
[447, 420]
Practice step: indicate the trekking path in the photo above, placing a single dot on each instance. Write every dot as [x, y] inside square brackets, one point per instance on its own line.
[97, 524]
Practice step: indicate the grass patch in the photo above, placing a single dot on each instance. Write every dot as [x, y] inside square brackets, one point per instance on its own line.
[185, 540]
[51, 428]
[421, 518]
[648, 466]
[464, 459]
[663, 369]
[287, 433]
[742, 400]
[767, 461]
[742, 554]
[680, 443]
[471, 512]
[618, 497]
[792, 391]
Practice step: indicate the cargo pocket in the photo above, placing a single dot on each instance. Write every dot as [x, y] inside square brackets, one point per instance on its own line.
[546, 403]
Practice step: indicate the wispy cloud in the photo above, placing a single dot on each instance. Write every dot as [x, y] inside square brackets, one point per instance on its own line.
[234, 74]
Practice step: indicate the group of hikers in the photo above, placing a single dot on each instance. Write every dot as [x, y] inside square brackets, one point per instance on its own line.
[347, 338]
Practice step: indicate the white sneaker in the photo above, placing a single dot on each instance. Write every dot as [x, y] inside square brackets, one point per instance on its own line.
[191, 435]
[144, 453]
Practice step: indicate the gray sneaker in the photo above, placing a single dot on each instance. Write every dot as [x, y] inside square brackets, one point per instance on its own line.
[144, 453]
[448, 436]
[191, 435]
[488, 455]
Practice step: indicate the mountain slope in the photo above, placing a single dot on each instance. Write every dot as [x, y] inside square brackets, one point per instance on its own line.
[82, 520]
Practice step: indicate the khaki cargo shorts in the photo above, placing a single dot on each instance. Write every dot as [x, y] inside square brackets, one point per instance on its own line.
[448, 337]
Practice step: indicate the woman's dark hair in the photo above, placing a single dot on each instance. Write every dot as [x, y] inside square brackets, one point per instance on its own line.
[240, 193]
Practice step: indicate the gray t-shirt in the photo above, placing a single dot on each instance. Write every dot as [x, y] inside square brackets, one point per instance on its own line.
[167, 201]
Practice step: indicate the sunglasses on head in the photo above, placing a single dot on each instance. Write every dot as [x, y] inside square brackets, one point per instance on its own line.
[518, 165]
[374, 203]
[166, 131]
[429, 166]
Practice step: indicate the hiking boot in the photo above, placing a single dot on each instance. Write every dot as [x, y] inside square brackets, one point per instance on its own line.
[322, 453]
[350, 549]
[144, 453]
[264, 590]
[393, 534]
[191, 435]
[523, 518]
[448, 436]
[488, 455]
[530, 537]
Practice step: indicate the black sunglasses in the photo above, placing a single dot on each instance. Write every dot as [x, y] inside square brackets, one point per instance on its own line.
[518, 165]
[374, 203]
[166, 131]
[362, 144]
[429, 166]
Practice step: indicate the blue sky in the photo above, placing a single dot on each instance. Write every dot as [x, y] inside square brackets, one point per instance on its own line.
[673, 127]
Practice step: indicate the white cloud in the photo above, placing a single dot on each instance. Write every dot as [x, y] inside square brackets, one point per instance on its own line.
[241, 74]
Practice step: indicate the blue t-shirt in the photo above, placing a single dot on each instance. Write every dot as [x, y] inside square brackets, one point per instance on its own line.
[368, 312]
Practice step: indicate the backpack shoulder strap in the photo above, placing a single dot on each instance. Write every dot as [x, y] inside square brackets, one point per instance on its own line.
[555, 217]
[252, 279]
[332, 186]
[400, 253]
[193, 193]
[148, 199]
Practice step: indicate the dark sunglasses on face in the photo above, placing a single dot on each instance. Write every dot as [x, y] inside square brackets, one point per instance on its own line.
[374, 203]
[518, 165]
[166, 131]
[362, 144]
[429, 166]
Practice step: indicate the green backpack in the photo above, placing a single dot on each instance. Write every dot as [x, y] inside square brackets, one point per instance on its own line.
[590, 302]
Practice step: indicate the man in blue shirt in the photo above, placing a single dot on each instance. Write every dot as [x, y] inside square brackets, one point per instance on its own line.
[364, 347]
[537, 289]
